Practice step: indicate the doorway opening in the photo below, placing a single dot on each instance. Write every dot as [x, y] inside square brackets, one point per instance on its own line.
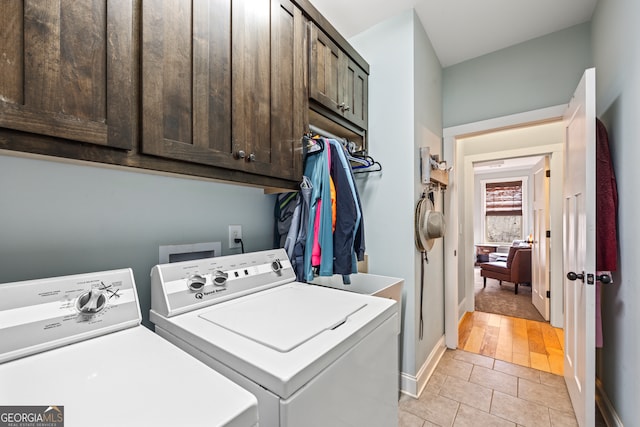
[533, 134]
[510, 208]
[511, 216]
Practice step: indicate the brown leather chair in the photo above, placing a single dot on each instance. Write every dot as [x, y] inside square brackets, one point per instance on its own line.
[516, 269]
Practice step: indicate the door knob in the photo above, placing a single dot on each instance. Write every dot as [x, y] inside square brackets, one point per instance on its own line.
[573, 276]
[604, 278]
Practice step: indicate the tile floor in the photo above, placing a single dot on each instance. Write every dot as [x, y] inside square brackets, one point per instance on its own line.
[469, 389]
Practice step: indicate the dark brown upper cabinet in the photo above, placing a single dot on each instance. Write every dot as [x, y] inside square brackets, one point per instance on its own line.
[223, 84]
[355, 95]
[336, 81]
[68, 68]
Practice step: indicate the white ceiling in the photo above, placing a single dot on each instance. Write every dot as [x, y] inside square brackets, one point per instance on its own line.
[463, 29]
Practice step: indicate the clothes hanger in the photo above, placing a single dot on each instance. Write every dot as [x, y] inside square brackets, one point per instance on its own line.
[374, 167]
[362, 162]
[313, 144]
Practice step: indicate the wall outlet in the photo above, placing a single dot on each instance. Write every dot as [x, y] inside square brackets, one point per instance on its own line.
[235, 232]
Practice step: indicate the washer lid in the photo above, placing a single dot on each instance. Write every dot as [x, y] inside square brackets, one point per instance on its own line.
[128, 378]
[285, 318]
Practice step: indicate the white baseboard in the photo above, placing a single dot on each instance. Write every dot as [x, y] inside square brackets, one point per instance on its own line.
[606, 407]
[413, 385]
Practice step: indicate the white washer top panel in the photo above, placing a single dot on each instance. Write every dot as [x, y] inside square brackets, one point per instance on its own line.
[127, 378]
[286, 317]
[280, 372]
[38, 315]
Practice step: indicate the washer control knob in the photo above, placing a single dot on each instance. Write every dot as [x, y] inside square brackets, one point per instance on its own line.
[196, 282]
[276, 266]
[220, 278]
[91, 302]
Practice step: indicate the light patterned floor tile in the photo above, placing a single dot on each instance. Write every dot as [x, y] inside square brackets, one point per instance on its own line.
[472, 417]
[519, 371]
[553, 380]
[471, 394]
[476, 359]
[436, 409]
[455, 368]
[562, 419]
[465, 391]
[449, 354]
[435, 383]
[407, 419]
[495, 379]
[519, 411]
[551, 396]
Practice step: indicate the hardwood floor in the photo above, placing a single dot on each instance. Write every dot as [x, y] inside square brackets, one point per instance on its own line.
[524, 342]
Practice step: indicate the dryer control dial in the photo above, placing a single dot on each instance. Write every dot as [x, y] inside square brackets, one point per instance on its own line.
[196, 282]
[220, 278]
[91, 302]
[276, 266]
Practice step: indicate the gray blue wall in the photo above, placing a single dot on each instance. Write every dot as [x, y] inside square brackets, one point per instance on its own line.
[616, 52]
[528, 76]
[60, 218]
[427, 78]
[405, 102]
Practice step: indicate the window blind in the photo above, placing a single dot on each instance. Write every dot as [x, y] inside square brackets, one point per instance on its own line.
[503, 198]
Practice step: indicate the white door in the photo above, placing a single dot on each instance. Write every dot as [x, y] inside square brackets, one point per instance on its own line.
[579, 249]
[540, 247]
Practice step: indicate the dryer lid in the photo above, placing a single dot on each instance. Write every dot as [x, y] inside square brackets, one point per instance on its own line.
[286, 317]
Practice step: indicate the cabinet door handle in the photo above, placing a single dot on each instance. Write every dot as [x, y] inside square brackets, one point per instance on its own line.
[240, 154]
[346, 108]
[251, 158]
[341, 106]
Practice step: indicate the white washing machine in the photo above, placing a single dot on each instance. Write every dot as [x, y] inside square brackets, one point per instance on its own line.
[73, 353]
[313, 356]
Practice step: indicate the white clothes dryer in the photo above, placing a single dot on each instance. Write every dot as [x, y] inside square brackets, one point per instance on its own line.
[73, 348]
[313, 356]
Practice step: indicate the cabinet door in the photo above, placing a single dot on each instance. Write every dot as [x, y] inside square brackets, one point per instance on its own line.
[268, 86]
[289, 100]
[186, 81]
[222, 83]
[326, 84]
[336, 81]
[355, 93]
[68, 69]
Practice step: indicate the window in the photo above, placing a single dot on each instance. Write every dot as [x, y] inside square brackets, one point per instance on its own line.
[503, 207]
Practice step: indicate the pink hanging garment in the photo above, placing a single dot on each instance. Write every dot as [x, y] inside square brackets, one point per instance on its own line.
[316, 250]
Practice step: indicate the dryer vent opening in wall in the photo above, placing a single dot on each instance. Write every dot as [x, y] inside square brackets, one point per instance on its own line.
[188, 252]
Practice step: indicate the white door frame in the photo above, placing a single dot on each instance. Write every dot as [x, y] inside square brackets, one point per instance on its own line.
[453, 311]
